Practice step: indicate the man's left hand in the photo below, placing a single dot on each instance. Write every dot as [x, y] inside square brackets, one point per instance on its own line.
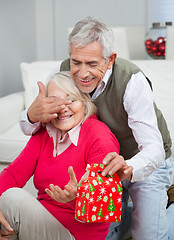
[116, 164]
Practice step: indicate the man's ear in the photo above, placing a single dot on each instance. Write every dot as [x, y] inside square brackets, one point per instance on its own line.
[111, 60]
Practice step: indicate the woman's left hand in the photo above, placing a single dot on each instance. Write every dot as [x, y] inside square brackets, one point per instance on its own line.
[68, 193]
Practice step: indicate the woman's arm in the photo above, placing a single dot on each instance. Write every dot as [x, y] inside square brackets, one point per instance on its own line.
[22, 168]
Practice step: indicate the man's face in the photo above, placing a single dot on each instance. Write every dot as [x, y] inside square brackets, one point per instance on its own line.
[88, 66]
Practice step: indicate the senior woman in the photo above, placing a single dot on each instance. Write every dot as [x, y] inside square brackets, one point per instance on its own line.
[57, 156]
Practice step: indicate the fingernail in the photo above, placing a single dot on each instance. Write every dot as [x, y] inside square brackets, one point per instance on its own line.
[110, 173]
[10, 229]
[103, 174]
[104, 162]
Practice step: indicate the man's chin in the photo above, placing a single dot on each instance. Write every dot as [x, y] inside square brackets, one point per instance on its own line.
[85, 89]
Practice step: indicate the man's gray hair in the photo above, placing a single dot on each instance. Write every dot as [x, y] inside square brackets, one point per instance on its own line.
[89, 30]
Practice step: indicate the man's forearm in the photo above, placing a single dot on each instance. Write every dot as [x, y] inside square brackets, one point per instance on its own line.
[26, 126]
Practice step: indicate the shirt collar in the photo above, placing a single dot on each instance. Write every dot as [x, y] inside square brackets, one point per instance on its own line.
[102, 85]
[72, 134]
[107, 76]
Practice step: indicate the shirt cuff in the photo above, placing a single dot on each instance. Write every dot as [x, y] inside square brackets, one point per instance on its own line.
[26, 126]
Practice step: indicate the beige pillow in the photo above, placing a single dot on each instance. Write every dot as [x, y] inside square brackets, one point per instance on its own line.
[34, 72]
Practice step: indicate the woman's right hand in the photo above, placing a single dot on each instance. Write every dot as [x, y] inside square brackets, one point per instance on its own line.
[8, 232]
[68, 193]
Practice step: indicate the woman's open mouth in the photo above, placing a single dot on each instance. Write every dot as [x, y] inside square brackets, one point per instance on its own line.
[64, 117]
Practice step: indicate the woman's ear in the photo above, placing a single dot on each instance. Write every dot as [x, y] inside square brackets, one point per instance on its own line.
[111, 60]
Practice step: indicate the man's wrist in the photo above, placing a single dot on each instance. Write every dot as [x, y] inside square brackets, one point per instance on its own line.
[30, 119]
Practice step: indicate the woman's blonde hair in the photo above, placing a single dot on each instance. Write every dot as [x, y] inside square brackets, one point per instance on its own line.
[65, 82]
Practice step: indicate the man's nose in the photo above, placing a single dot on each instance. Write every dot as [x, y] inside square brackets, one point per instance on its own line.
[84, 71]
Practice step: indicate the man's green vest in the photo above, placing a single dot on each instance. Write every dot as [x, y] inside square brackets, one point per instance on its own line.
[111, 110]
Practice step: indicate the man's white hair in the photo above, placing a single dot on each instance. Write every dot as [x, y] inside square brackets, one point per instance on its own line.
[89, 30]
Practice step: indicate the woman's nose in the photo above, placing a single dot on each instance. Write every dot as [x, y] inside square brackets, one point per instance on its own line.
[65, 109]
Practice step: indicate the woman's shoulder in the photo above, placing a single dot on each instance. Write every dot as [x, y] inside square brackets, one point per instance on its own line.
[41, 134]
[96, 133]
[94, 124]
[95, 128]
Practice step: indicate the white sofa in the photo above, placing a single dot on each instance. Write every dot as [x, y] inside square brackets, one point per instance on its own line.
[12, 140]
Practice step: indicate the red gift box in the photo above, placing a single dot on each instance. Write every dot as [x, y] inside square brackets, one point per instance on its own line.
[99, 198]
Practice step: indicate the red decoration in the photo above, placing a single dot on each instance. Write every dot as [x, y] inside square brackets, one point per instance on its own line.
[99, 198]
[156, 48]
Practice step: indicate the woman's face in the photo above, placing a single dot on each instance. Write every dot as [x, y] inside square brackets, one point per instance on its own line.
[71, 115]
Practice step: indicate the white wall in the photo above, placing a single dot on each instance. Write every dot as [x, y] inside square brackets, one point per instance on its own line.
[160, 11]
[17, 41]
[112, 12]
[37, 30]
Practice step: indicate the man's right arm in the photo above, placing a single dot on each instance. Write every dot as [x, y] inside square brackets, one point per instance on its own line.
[31, 119]
[43, 110]
[26, 126]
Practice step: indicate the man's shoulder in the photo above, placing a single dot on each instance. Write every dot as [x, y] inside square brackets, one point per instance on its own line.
[65, 66]
[125, 65]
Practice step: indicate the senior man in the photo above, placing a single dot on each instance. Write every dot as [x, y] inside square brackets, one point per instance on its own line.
[124, 98]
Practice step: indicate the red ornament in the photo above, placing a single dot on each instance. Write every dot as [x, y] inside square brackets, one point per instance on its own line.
[162, 47]
[148, 42]
[160, 40]
[156, 48]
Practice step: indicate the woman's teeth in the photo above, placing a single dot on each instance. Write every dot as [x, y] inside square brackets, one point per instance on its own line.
[65, 117]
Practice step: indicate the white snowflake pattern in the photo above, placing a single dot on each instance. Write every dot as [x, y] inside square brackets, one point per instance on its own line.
[106, 217]
[86, 187]
[102, 190]
[119, 200]
[111, 213]
[107, 182]
[111, 179]
[91, 200]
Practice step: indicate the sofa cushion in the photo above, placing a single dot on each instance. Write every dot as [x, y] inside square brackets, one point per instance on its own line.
[32, 73]
[12, 142]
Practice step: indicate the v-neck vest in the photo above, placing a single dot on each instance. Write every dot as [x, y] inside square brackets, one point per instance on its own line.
[111, 110]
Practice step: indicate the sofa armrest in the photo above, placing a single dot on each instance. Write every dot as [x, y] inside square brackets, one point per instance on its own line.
[10, 108]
